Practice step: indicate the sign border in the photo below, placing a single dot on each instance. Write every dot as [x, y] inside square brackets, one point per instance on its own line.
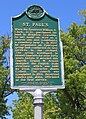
[33, 88]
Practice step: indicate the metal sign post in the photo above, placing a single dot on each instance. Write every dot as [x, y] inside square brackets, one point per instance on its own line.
[36, 55]
[38, 104]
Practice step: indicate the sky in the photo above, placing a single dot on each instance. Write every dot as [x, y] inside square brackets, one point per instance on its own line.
[65, 10]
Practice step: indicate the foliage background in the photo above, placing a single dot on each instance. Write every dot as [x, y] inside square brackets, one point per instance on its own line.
[67, 12]
[69, 103]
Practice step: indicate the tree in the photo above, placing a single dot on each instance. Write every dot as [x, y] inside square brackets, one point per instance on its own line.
[72, 99]
[24, 107]
[69, 103]
[4, 75]
[83, 13]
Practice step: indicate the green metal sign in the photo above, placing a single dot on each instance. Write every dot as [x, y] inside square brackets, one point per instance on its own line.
[36, 51]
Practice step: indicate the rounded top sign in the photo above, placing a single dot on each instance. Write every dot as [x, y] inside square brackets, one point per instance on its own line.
[35, 12]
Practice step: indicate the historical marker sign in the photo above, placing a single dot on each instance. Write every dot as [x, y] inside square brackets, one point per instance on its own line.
[36, 51]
